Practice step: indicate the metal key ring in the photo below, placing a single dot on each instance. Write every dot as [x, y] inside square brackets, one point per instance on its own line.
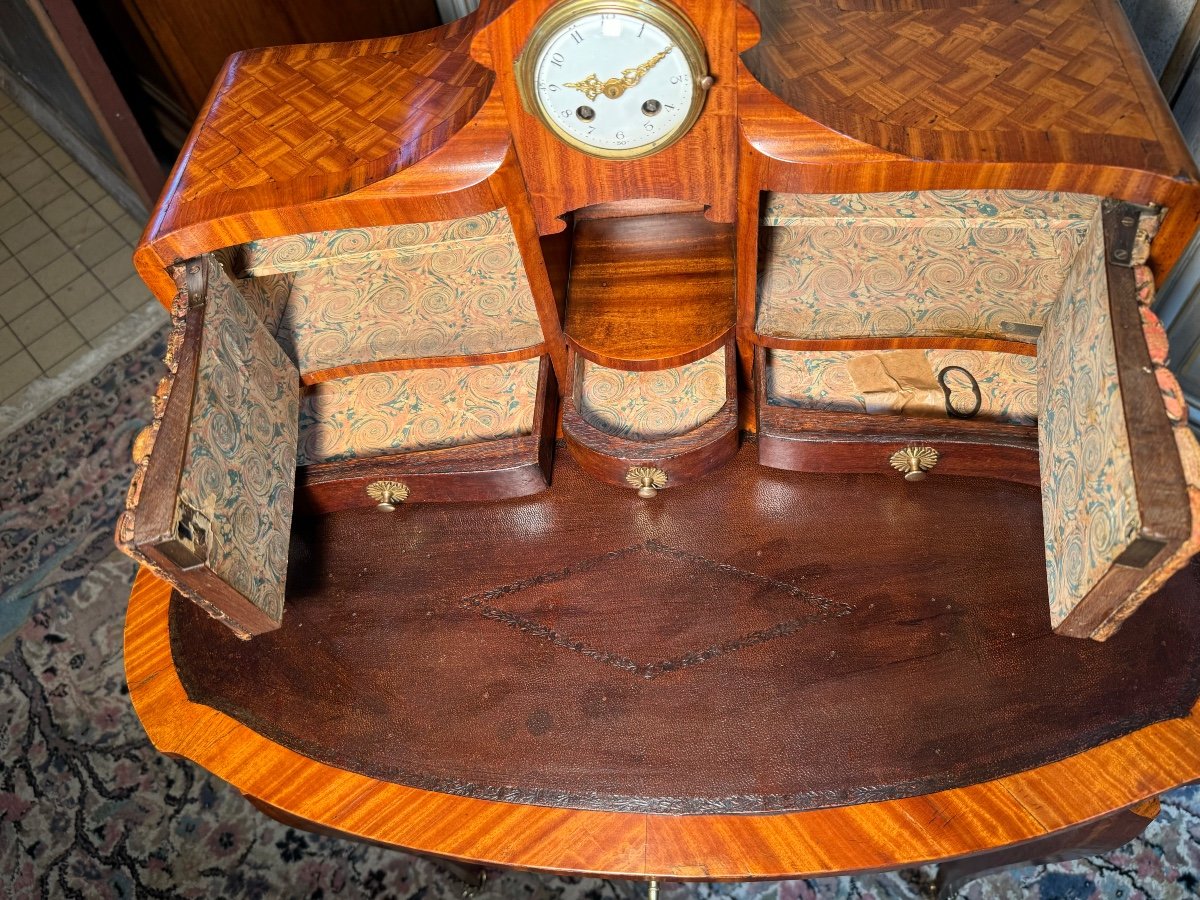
[950, 410]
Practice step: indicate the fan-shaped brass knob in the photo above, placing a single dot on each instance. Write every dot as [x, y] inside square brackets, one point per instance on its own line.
[648, 480]
[914, 462]
[387, 494]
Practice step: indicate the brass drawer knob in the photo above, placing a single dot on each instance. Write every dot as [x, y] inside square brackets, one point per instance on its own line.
[387, 494]
[914, 462]
[648, 480]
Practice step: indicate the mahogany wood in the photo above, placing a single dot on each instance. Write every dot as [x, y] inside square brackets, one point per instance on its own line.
[684, 457]
[650, 292]
[930, 342]
[190, 42]
[160, 487]
[491, 470]
[420, 362]
[815, 440]
[945, 823]
[428, 127]
[699, 168]
[789, 628]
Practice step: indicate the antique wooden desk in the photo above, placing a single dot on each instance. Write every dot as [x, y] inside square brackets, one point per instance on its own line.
[701, 440]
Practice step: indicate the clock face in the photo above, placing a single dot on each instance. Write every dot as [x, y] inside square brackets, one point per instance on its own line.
[615, 80]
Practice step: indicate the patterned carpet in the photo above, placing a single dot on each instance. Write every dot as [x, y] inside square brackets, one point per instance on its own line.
[89, 809]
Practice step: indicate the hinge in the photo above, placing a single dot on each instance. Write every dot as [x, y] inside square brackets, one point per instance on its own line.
[191, 277]
[1140, 552]
[1131, 232]
[190, 545]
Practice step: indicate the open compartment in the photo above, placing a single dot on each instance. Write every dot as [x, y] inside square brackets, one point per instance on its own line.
[366, 367]
[851, 411]
[910, 358]
[649, 322]
[680, 422]
[933, 265]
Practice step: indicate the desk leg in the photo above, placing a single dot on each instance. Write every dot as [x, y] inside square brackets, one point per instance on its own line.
[1091, 839]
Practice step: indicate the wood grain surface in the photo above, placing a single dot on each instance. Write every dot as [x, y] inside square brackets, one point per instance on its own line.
[650, 292]
[857, 96]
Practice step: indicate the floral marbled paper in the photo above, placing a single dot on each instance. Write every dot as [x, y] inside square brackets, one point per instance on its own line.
[949, 263]
[823, 380]
[650, 406]
[1089, 506]
[422, 409]
[240, 466]
[360, 295]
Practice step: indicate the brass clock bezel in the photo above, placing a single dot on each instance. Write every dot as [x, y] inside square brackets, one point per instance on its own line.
[660, 13]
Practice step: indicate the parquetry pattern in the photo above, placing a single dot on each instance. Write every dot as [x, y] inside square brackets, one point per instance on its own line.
[902, 73]
[309, 111]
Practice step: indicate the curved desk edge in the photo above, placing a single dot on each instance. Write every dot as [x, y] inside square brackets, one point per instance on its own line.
[878, 836]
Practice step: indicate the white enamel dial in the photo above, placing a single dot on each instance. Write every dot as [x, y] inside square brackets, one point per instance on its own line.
[615, 83]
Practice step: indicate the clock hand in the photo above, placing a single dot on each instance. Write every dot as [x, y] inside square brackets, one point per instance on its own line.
[592, 87]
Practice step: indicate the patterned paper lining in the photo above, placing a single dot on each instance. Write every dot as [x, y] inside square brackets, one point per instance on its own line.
[239, 469]
[1089, 505]
[950, 263]
[825, 380]
[651, 406]
[423, 409]
[455, 288]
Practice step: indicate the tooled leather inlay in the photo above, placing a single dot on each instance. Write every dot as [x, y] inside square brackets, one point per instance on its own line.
[580, 648]
[724, 621]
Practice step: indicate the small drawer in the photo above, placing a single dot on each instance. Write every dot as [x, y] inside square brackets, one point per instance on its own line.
[481, 432]
[935, 384]
[815, 415]
[680, 421]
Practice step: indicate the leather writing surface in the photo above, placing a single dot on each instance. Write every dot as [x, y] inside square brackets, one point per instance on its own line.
[835, 639]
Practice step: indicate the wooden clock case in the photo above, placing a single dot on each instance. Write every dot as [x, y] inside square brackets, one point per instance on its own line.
[382, 268]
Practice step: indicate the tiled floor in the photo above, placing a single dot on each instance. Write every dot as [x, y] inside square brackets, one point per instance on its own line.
[66, 276]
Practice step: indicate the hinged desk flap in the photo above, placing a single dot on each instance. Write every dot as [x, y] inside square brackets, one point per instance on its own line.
[1116, 508]
[212, 510]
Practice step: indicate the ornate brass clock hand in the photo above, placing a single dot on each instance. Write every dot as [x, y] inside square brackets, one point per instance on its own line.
[592, 87]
